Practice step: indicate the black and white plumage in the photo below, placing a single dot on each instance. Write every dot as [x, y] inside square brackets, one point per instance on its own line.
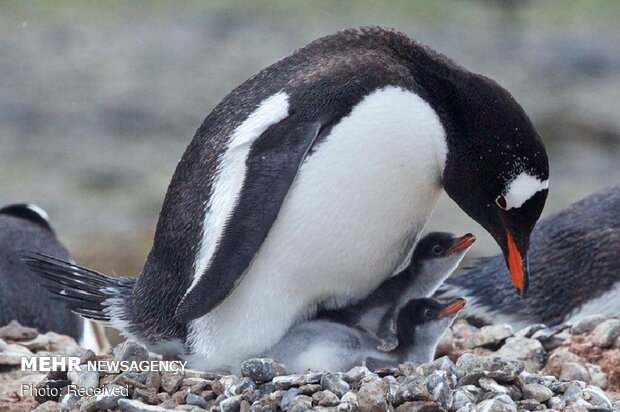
[576, 256]
[26, 227]
[434, 258]
[332, 346]
[310, 183]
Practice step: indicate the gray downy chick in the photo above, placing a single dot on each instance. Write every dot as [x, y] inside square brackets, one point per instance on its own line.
[435, 257]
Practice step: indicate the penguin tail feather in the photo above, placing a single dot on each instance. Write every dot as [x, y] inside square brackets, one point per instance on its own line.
[85, 292]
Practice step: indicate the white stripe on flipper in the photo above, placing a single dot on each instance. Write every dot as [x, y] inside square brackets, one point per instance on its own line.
[522, 188]
[230, 176]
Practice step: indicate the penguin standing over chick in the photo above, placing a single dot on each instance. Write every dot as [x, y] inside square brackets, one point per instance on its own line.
[309, 185]
[576, 254]
[324, 345]
[434, 258]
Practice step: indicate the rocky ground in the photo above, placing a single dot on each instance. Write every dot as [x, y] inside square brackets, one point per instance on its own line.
[493, 368]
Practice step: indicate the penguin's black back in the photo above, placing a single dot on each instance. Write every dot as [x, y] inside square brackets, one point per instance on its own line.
[574, 258]
[21, 298]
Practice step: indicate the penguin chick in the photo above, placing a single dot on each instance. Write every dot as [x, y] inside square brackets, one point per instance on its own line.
[435, 257]
[328, 345]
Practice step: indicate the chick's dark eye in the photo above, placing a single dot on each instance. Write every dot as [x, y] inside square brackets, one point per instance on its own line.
[501, 202]
[438, 250]
[429, 313]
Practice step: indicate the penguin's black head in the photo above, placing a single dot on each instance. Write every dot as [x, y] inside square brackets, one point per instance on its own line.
[426, 319]
[29, 212]
[497, 169]
[438, 245]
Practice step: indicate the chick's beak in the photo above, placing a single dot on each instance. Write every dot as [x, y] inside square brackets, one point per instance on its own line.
[461, 243]
[452, 308]
[518, 265]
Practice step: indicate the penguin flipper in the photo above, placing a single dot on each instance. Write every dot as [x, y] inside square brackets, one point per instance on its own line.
[374, 364]
[272, 164]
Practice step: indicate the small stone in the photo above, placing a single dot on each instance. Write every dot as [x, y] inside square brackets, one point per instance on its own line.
[373, 396]
[605, 333]
[39, 342]
[489, 335]
[470, 407]
[412, 388]
[443, 364]
[472, 367]
[288, 381]
[16, 332]
[556, 403]
[152, 379]
[528, 404]
[597, 397]
[48, 390]
[573, 371]
[350, 397]
[232, 404]
[586, 324]
[109, 400]
[495, 405]
[196, 400]
[49, 406]
[357, 374]
[461, 397]
[148, 396]
[63, 344]
[85, 379]
[418, 406]
[130, 351]
[288, 398]
[225, 385]
[445, 346]
[245, 384]
[597, 376]
[529, 351]
[537, 392]
[262, 369]
[491, 385]
[335, 384]
[299, 403]
[131, 405]
[439, 388]
[325, 398]
[69, 402]
[528, 331]
[89, 405]
[309, 389]
[558, 358]
[171, 382]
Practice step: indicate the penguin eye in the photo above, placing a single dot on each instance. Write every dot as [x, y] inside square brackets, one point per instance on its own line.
[438, 250]
[429, 313]
[501, 202]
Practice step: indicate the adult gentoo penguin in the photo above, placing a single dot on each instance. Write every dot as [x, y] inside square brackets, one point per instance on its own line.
[434, 258]
[576, 256]
[26, 227]
[310, 183]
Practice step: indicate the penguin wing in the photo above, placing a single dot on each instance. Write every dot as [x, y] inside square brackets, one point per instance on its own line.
[272, 164]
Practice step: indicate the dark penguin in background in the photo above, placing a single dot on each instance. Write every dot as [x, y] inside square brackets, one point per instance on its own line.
[434, 258]
[309, 185]
[576, 257]
[26, 227]
[324, 345]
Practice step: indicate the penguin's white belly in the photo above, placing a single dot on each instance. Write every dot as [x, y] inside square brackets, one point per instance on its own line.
[351, 217]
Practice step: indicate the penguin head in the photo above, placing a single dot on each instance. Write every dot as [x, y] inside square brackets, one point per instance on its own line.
[497, 169]
[424, 321]
[29, 212]
[438, 254]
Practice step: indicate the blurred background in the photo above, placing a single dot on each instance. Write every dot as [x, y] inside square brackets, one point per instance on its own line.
[99, 100]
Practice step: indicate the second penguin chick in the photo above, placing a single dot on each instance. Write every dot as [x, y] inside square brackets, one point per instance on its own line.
[435, 257]
[323, 345]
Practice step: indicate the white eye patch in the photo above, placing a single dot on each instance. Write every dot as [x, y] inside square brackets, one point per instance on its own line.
[522, 188]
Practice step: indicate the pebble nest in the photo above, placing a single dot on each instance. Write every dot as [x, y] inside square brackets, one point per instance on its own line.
[568, 368]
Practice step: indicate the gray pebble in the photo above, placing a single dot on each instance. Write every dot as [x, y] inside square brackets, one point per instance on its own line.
[573, 371]
[85, 379]
[373, 396]
[412, 388]
[439, 388]
[299, 403]
[495, 405]
[232, 404]
[171, 382]
[192, 399]
[586, 324]
[461, 398]
[49, 406]
[288, 397]
[529, 351]
[325, 398]
[110, 399]
[472, 367]
[536, 391]
[89, 405]
[605, 334]
[131, 351]
[131, 405]
[262, 369]
[334, 384]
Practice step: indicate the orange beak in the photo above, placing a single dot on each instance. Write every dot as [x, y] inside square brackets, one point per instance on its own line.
[461, 243]
[515, 265]
[452, 308]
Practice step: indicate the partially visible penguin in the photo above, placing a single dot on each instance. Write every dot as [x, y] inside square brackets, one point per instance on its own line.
[316, 177]
[26, 227]
[324, 345]
[434, 258]
[576, 254]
